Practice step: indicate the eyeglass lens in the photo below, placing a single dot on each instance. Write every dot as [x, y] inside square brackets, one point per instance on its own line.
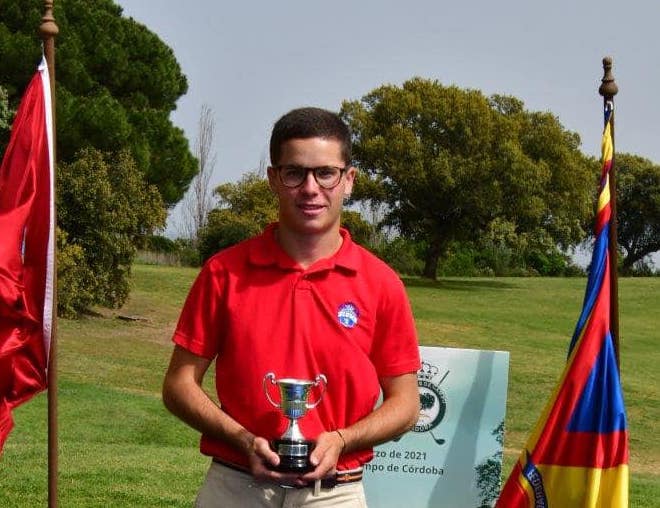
[326, 176]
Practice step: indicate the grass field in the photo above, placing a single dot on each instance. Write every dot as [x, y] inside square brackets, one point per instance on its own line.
[119, 447]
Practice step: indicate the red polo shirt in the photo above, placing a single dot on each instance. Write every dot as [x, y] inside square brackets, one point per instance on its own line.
[255, 311]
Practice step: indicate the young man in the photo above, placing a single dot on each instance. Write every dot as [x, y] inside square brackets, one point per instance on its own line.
[299, 300]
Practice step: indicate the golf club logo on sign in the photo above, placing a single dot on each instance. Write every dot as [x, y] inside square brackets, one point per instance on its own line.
[432, 400]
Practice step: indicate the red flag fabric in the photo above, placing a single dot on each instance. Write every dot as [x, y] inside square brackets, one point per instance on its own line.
[27, 235]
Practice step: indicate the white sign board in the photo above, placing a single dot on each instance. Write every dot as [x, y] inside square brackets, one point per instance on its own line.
[453, 456]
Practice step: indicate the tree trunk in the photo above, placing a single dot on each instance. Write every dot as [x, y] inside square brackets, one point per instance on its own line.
[431, 261]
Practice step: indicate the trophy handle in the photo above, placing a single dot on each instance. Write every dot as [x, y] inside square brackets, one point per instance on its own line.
[320, 380]
[270, 376]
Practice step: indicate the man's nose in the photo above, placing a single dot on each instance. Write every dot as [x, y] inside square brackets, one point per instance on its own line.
[309, 183]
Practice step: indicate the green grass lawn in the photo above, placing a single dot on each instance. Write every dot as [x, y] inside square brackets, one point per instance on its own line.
[119, 447]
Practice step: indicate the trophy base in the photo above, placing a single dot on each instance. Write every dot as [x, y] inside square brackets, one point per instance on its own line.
[294, 455]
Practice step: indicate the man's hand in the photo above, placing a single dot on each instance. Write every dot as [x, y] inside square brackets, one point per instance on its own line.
[324, 457]
[263, 461]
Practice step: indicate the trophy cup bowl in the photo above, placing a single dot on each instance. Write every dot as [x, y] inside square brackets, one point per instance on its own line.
[292, 447]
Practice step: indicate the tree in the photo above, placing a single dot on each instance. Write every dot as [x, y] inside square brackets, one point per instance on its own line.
[105, 207]
[361, 231]
[489, 471]
[251, 197]
[638, 208]
[197, 202]
[448, 162]
[224, 229]
[117, 84]
[245, 208]
[5, 112]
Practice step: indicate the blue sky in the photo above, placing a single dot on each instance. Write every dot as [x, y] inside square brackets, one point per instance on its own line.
[253, 61]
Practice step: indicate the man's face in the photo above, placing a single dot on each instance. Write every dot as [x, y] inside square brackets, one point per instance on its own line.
[309, 208]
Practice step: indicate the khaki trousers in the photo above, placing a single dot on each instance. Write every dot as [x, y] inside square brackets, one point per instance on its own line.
[227, 488]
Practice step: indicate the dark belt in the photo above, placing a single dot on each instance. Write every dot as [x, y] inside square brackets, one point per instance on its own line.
[339, 478]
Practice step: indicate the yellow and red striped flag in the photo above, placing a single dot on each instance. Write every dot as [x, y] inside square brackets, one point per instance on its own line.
[577, 455]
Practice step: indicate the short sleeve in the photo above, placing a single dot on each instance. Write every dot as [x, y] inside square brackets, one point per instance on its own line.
[201, 318]
[396, 349]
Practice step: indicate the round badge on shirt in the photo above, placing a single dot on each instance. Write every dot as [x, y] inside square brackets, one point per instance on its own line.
[348, 315]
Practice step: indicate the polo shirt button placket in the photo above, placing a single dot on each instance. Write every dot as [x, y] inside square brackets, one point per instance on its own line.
[303, 282]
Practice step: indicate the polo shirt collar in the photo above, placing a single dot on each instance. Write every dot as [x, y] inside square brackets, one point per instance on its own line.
[265, 251]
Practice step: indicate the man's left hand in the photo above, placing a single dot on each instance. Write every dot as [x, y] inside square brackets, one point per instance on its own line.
[324, 457]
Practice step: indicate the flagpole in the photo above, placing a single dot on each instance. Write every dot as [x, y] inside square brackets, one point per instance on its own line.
[48, 30]
[608, 89]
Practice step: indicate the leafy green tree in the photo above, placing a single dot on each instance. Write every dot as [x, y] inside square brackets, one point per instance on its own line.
[105, 207]
[402, 255]
[489, 472]
[5, 112]
[75, 279]
[117, 84]
[361, 231]
[224, 229]
[245, 208]
[638, 208]
[448, 162]
[251, 197]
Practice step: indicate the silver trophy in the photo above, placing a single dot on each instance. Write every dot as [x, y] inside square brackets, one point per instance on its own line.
[292, 447]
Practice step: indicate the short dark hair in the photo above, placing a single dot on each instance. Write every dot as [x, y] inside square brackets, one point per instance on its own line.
[305, 123]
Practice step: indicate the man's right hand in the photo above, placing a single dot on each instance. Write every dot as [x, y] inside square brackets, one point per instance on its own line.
[263, 461]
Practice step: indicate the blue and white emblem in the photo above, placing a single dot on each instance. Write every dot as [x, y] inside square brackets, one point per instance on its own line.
[348, 315]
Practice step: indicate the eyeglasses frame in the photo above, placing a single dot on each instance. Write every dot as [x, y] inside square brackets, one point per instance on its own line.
[307, 170]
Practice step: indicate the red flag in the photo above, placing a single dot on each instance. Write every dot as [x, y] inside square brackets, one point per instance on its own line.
[27, 235]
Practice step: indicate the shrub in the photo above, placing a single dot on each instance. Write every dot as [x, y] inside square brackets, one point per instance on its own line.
[187, 253]
[402, 256]
[106, 208]
[461, 260]
[642, 268]
[361, 231]
[224, 229]
[74, 279]
[159, 243]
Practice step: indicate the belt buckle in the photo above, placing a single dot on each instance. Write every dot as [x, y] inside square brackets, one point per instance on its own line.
[329, 483]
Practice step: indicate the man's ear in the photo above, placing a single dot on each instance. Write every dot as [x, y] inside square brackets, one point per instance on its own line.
[272, 179]
[350, 175]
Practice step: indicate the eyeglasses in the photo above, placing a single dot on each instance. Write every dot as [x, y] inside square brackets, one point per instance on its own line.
[327, 177]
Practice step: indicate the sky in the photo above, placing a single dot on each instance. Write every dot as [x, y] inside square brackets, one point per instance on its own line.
[251, 62]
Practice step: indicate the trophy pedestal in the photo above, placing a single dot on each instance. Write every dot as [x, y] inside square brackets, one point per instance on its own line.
[294, 455]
